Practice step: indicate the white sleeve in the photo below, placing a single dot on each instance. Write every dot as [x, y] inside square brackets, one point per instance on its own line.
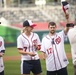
[62, 34]
[38, 40]
[43, 46]
[19, 42]
[2, 44]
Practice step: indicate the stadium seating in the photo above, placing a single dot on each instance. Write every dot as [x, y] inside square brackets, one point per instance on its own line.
[37, 14]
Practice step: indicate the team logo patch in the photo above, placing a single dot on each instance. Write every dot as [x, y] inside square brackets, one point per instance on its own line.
[58, 40]
[0, 43]
[34, 42]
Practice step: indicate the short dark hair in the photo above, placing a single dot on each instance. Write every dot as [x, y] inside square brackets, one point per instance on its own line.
[52, 24]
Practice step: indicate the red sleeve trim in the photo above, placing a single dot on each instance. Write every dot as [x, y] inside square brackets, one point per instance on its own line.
[38, 47]
[20, 48]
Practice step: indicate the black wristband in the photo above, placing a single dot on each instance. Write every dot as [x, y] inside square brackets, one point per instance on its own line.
[69, 25]
[3, 51]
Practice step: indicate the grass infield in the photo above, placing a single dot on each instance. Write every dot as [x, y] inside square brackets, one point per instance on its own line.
[12, 67]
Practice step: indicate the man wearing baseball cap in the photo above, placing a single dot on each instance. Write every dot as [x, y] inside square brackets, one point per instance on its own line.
[28, 43]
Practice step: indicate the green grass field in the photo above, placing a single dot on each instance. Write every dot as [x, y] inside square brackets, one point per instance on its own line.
[12, 67]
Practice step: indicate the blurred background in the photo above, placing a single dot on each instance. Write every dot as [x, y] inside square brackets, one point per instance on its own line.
[12, 15]
[14, 12]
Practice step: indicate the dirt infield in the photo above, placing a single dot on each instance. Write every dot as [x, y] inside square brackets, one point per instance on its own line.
[18, 57]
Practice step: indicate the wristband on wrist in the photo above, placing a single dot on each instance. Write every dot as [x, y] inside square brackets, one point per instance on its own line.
[69, 25]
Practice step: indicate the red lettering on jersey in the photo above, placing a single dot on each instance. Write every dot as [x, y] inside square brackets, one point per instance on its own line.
[0, 43]
[34, 42]
[49, 50]
[58, 40]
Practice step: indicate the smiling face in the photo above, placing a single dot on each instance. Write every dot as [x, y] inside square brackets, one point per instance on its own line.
[29, 29]
[52, 27]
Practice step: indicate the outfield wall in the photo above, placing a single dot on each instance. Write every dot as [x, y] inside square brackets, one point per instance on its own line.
[13, 37]
[10, 35]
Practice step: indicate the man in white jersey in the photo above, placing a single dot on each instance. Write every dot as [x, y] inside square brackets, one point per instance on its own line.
[72, 39]
[28, 43]
[53, 50]
[2, 51]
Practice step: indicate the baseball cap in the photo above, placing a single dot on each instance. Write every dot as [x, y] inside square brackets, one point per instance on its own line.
[28, 23]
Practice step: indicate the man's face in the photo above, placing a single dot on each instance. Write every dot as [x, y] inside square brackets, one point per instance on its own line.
[52, 29]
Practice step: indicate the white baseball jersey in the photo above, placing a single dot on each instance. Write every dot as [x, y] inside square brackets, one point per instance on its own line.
[28, 45]
[72, 39]
[1, 58]
[53, 47]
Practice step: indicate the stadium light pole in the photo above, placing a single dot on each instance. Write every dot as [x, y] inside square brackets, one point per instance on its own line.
[5, 4]
[40, 2]
[0, 3]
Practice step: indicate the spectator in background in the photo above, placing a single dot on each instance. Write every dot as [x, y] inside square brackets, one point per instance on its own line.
[28, 43]
[2, 51]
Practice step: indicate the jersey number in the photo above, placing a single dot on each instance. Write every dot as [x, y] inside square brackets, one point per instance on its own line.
[25, 48]
[49, 50]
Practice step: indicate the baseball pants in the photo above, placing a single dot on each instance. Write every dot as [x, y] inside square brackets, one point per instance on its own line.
[31, 65]
[74, 69]
[2, 73]
[62, 71]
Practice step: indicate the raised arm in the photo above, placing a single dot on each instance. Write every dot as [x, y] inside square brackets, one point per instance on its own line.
[67, 23]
